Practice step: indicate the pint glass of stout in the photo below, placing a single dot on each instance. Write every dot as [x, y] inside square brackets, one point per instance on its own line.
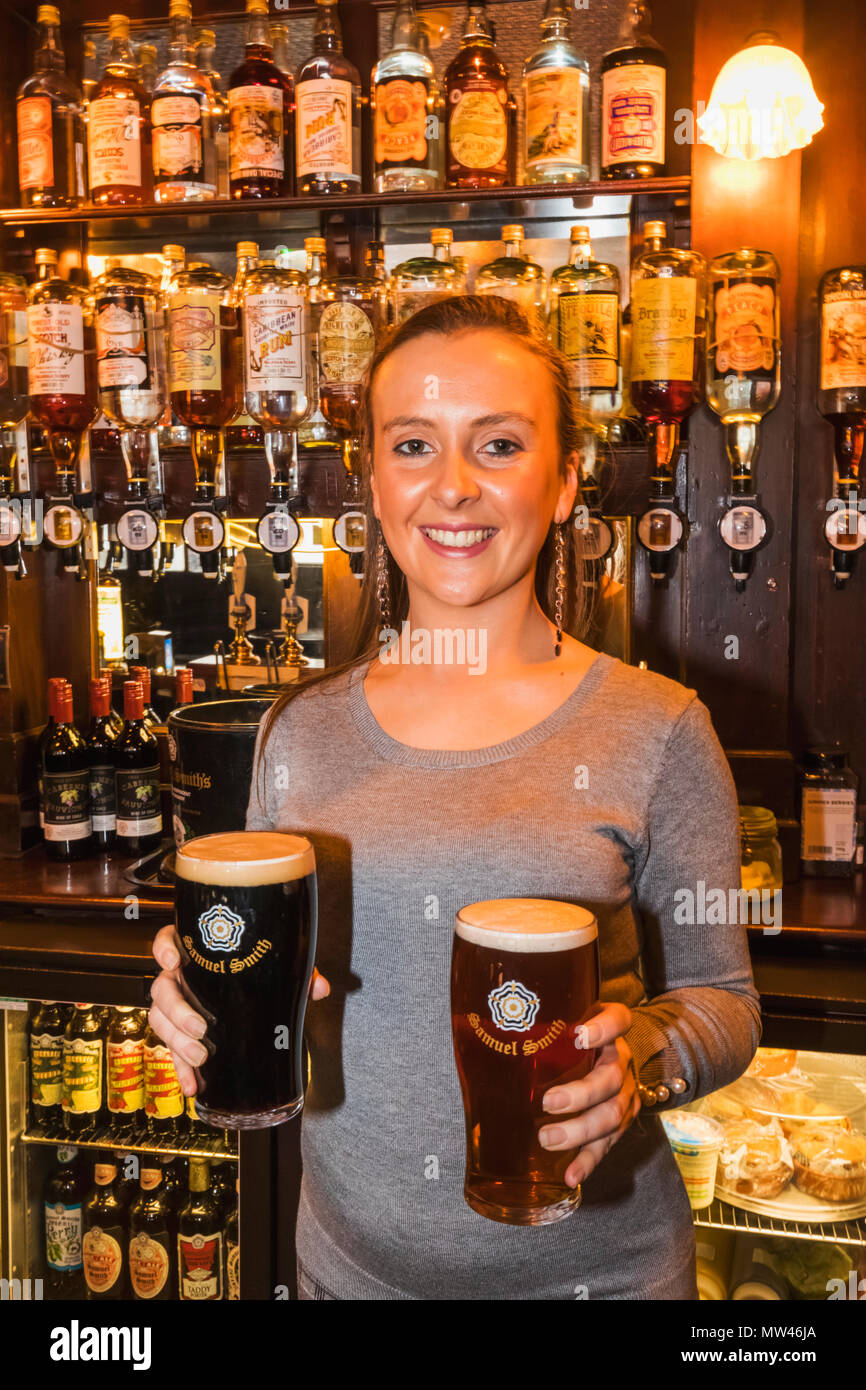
[246, 918]
[524, 977]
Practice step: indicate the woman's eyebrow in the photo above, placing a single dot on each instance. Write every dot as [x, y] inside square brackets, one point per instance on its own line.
[420, 422]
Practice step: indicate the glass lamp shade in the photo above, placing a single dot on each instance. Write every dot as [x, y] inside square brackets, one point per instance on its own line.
[763, 105]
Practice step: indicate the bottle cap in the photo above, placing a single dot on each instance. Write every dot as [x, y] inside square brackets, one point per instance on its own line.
[45, 256]
[56, 686]
[441, 236]
[183, 688]
[654, 229]
[315, 243]
[48, 14]
[172, 252]
[257, 6]
[179, 7]
[99, 697]
[142, 674]
[512, 232]
[580, 233]
[248, 248]
[206, 39]
[133, 700]
[64, 705]
[118, 26]
[148, 50]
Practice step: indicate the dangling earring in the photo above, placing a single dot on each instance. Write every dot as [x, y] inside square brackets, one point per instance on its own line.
[382, 585]
[559, 565]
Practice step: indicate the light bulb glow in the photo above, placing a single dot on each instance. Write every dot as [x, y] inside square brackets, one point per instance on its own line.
[763, 105]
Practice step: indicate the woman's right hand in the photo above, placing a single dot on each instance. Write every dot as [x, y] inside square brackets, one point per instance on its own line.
[174, 1020]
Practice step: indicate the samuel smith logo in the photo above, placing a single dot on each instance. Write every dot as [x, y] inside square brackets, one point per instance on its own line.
[221, 929]
[513, 1006]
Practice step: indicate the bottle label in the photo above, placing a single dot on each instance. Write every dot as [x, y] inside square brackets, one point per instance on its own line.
[554, 118]
[401, 123]
[195, 356]
[150, 1178]
[35, 146]
[745, 328]
[843, 339]
[82, 1075]
[256, 133]
[177, 141]
[66, 798]
[138, 802]
[828, 825]
[633, 115]
[346, 342]
[164, 1098]
[126, 1076]
[55, 332]
[663, 329]
[589, 338]
[63, 1236]
[114, 142]
[46, 1069]
[274, 341]
[121, 345]
[103, 1258]
[200, 1262]
[103, 802]
[233, 1270]
[477, 125]
[324, 127]
[148, 1264]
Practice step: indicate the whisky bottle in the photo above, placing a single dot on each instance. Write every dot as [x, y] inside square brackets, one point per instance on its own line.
[260, 113]
[842, 370]
[50, 125]
[328, 119]
[556, 104]
[512, 275]
[583, 323]
[314, 430]
[743, 356]
[118, 128]
[184, 154]
[405, 138]
[633, 80]
[348, 320]
[218, 105]
[423, 279]
[481, 121]
[203, 362]
[61, 364]
[172, 432]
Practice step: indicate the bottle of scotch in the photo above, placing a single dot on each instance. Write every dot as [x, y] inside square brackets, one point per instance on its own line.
[482, 115]
[61, 363]
[118, 128]
[219, 108]
[405, 140]
[633, 81]
[512, 275]
[328, 118]
[556, 103]
[260, 113]
[184, 153]
[583, 322]
[50, 125]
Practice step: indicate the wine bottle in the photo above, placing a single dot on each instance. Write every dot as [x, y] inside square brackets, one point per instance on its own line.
[100, 749]
[66, 788]
[139, 818]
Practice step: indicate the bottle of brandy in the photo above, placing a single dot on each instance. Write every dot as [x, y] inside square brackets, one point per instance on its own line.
[184, 154]
[512, 275]
[118, 128]
[260, 110]
[50, 125]
[584, 324]
[556, 103]
[668, 306]
[633, 80]
[328, 119]
[482, 116]
[405, 141]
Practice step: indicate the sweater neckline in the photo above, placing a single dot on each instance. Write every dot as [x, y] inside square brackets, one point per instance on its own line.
[396, 752]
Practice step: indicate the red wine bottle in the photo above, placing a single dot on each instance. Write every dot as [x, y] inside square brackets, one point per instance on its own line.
[142, 673]
[55, 684]
[139, 817]
[66, 787]
[100, 748]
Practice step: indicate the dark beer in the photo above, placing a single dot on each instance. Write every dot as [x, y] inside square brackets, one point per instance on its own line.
[246, 918]
[524, 978]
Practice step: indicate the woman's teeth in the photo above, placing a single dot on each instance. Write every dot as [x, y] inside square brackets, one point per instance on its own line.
[459, 540]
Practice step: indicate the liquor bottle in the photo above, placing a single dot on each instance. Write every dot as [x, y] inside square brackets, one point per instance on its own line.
[89, 71]
[275, 312]
[163, 1098]
[61, 364]
[100, 752]
[61, 1205]
[349, 319]
[203, 358]
[146, 61]
[243, 431]
[260, 108]
[423, 279]
[175, 1181]
[405, 141]
[66, 788]
[583, 323]
[512, 275]
[152, 1232]
[328, 112]
[233, 1249]
[200, 1239]
[172, 433]
[556, 104]
[118, 128]
[280, 44]
[668, 293]
[142, 673]
[50, 125]
[184, 154]
[84, 1071]
[314, 430]
[842, 370]
[218, 106]
[125, 1071]
[46, 1029]
[105, 1235]
[482, 115]
[139, 817]
[633, 81]
[56, 686]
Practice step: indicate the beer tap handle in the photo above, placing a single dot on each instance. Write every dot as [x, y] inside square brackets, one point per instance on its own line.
[220, 650]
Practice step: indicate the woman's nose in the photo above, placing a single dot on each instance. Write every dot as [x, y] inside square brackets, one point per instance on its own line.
[455, 479]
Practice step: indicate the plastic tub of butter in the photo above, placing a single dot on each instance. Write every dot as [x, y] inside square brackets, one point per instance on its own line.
[696, 1141]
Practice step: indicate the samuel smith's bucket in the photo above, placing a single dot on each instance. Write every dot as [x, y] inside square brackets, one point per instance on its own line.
[211, 749]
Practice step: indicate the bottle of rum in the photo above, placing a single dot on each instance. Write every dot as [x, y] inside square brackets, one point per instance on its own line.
[50, 125]
[405, 139]
[218, 105]
[423, 279]
[328, 119]
[556, 104]
[512, 275]
[633, 81]
[118, 128]
[482, 116]
[584, 323]
[184, 154]
[260, 112]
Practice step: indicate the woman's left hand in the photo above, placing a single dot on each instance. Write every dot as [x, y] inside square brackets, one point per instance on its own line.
[607, 1098]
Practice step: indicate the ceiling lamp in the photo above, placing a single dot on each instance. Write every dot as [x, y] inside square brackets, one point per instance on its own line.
[763, 104]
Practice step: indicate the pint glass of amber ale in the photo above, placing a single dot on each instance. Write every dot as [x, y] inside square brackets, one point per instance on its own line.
[246, 918]
[524, 978]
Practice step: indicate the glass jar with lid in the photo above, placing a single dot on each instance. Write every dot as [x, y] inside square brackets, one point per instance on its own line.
[828, 813]
[760, 851]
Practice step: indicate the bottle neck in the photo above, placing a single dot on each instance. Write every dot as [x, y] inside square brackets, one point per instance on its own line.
[405, 31]
[49, 54]
[314, 264]
[514, 247]
[204, 61]
[180, 49]
[327, 34]
[442, 251]
[121, 59]
[654, 243]
[259, 36]
[581, 252]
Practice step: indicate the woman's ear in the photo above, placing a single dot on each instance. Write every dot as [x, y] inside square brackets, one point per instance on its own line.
[568, 489]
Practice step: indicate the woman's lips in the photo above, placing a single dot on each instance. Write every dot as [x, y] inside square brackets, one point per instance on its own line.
[464, 541]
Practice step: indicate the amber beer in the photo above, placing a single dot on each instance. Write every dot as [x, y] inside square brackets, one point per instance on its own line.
[524, 978]
[246, 918]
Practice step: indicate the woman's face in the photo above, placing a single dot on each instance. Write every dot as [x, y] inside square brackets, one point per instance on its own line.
[466, 477]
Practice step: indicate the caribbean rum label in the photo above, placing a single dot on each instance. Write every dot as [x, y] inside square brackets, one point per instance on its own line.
[663, 329]
[200, 1264]
[274, 341]
[102, 1255]
[633, 115]
[843, 339]
[401, 122]
[195, 359]
[346, 342]
[554, 118]
[114, 142]
[82, 1075]
[478, 126]
[121, 345]
[745, 327]
[589, 338]
[163, 1096]
[256, 133]
[66, 801]
[138, 801]
[324, 127]
[63, 1236]
[126, 1076]
[148, 1264]
[35, 146]
[46, 1069]
[55, 333]
[176, 139]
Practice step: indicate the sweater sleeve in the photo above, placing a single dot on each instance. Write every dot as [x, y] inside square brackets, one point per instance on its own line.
[701, 1018]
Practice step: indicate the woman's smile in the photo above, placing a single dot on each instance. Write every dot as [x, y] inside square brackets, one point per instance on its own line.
[458, 541]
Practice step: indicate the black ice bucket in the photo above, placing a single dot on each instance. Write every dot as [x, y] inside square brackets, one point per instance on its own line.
[211, 750]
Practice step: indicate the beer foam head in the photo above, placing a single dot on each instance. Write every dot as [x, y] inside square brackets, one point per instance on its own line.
[526, 925]
[245, 858]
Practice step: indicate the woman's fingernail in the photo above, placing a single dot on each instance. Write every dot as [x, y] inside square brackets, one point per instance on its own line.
[576, 1180]
[196, 1056]
[196, 1026]
[553, 1134]
[555, 1100]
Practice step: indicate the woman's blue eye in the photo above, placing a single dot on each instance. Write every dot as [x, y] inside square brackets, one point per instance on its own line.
[411, 448]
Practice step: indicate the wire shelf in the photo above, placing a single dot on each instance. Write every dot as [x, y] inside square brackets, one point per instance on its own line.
[202, 1148]
[721, 1214]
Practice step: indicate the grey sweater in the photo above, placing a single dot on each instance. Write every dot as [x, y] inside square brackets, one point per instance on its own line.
[403, 837]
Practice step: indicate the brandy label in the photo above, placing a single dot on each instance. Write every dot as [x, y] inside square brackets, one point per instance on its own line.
[103, 1258]
[148, 1264]
[324, 127]
[114, 142]
[103, 800]
[633, 115]
[256, 133]
[82, 1075]
[589, 338]
[35, 146]
[63, 1235]
[195, 359]
[663, 329]
[401, 122]
[121, 346]
[554, 118]
[346, 342]
[745, 327]
[477, 125]
[176, 138]
[274, 341]
[126, 1076]
[46, 1069]
[66, 804]
[200, 1266]
[138, 803]
[55, 333]
[164, 1098]
[843, 339]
